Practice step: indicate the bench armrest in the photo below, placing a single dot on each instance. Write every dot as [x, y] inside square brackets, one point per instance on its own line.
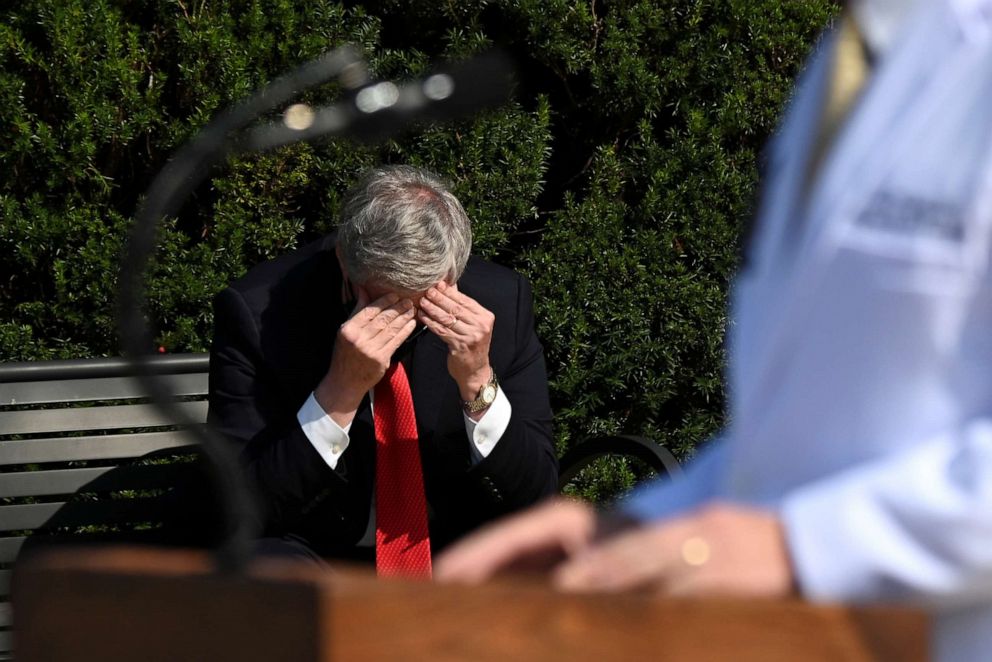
[580, 456]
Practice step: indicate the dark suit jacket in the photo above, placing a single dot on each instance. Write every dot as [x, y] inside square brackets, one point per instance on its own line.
[273, 340]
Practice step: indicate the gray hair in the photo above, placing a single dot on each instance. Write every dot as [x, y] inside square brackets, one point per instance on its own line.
[402, 228]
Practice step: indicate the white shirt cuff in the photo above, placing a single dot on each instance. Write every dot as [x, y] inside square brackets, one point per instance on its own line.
[487, 431]
[329, 439]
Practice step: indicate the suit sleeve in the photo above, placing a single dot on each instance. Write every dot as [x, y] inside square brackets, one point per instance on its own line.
[247, 407]
[523, 467]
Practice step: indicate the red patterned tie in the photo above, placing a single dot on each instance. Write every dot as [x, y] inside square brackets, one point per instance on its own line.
[402, 545]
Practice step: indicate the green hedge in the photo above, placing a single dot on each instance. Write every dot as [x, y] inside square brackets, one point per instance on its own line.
[617, 181]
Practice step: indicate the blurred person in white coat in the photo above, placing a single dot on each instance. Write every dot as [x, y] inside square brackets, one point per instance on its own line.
[857, 463]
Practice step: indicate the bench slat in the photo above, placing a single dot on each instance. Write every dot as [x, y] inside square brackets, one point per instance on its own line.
[38, 371]
[82, 513]
[99, 479]
[94, 418]
[5, 576]
[102, 447]
[103, 388]
[6, 642]
[6, 615]
[10, 548]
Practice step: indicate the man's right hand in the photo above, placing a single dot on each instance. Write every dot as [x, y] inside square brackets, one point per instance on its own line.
[362, 350]
[533, 541]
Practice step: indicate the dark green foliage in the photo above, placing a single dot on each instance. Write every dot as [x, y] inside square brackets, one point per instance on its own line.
[674, 105]
[618, 181]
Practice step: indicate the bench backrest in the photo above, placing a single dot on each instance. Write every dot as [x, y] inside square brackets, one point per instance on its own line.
[83, 429]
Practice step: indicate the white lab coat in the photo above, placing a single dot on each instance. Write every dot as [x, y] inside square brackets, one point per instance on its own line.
[861, 340]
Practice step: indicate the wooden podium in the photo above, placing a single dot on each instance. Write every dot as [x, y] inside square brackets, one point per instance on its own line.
[128, 604]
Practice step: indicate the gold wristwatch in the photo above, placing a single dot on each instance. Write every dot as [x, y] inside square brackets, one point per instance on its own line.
[486, 396]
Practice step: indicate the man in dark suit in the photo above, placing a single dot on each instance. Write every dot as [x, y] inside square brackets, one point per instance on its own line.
[302, 340]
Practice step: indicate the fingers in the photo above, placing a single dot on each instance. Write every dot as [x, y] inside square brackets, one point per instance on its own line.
[388, 330]
[380, 327]
[639, 559]
[441, 309]
[392, 318]
[547, 533]
[449, 296]
[379, 315]
[441, 322]
[398, 331]
[365, 311]
[449, 313]
[716, 550]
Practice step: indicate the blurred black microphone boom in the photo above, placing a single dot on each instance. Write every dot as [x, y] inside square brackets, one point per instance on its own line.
[382, 109]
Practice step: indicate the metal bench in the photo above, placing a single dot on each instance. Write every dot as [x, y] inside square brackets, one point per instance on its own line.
[84, 456]
[80, 453]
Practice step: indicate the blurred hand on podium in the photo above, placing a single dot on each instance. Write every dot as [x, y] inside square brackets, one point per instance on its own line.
[721, 549]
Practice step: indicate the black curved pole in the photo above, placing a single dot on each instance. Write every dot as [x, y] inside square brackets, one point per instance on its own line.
[657, 457]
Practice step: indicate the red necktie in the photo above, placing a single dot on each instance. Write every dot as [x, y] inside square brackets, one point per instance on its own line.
[402, 545]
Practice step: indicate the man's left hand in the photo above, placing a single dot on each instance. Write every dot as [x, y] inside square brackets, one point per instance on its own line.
[466, 328]
[721, 549]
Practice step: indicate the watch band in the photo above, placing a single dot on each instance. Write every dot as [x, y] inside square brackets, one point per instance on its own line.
[485, 397]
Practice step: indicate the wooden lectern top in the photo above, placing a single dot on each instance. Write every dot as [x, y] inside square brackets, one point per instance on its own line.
[124, 604]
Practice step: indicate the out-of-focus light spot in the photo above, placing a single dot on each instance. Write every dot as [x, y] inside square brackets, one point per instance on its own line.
[354, 75]
[377, 97]
[438, 87]
[298, 117]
